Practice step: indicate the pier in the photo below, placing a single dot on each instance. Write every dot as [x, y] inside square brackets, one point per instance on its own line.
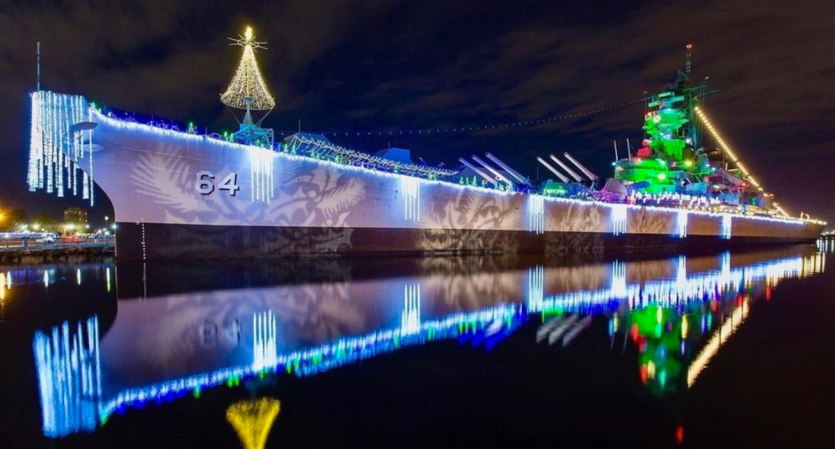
[56, 251]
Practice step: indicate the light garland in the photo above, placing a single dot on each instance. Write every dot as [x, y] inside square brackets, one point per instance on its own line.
[726, 148]
[55, 148]
[410, 317]
[727, 226]
[619, 215]
[68, 363]
[411, 198]
[262, 187]
[682, 224]
[264, 345]
[536, 213]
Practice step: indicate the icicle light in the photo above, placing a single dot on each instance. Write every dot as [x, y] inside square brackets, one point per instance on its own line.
[618, 288]
[261, 174]
[410, 318]
[682, 224]
[619, 214]
[536, 287]
[536, 214]
[69, 377]
[726, 226]
[54, 149]
[264, 346]
[411, 197]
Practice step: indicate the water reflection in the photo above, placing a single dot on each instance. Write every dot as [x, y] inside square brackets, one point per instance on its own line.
[180, 330]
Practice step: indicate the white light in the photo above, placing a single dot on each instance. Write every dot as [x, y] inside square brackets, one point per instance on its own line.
[261, 174]
[619, 215]
[264, 344]
[411, 197]
[68, 364]
[536, 287]
[536, 214]
[410, 317]
[682, 224]
[54, 150]
[726, 226]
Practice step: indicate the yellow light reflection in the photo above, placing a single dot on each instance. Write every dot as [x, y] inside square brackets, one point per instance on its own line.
[253, 420]
[728, 327]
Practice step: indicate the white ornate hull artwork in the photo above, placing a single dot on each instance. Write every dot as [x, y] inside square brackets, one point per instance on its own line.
[177, 194]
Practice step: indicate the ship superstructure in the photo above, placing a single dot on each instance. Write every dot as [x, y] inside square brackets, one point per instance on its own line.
[181, 194]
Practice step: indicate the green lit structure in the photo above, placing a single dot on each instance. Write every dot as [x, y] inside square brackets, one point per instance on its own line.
[671, 159]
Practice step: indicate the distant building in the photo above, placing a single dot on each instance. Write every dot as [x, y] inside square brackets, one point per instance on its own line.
[75, 215]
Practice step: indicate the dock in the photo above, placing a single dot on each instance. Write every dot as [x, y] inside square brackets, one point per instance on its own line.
[56, 251]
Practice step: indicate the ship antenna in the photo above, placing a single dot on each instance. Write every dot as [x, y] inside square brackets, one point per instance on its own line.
[248, 92]
[39, 66]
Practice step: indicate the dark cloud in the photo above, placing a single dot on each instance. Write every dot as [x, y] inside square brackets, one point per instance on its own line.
[359, 65]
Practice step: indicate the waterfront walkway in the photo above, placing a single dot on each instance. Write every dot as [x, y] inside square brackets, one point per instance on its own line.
[53, 251]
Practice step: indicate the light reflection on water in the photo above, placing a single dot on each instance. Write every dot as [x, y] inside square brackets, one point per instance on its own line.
[179, 331]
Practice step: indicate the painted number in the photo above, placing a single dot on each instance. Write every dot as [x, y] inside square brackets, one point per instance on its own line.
[230, 183]
[205, 183]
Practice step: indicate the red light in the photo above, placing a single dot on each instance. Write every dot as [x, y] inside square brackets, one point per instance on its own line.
[689, 46]
[680, 434]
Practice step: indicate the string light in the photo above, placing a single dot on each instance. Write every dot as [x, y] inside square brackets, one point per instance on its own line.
[536, 214]
[726, 148]
[262, 187]
[618, 217]
[410, 317]
[682, 224]
[411, 198]
[56, 145]
[248, 90]
[68, 362]
[264, 343]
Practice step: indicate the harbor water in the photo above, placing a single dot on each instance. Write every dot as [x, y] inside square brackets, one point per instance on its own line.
[684, 350]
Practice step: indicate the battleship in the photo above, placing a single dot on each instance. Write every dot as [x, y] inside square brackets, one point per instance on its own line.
[178, 193]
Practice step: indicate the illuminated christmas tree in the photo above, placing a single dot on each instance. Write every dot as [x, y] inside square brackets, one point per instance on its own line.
[248, 93]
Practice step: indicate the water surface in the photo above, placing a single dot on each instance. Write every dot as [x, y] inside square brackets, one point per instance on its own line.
[722, 350]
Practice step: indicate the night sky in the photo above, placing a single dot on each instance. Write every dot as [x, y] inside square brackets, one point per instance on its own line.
[352, 65]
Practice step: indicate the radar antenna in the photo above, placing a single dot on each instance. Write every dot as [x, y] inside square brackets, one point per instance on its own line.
[247, 92]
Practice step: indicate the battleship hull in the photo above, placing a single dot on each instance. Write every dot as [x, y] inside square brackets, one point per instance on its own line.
[178, 196]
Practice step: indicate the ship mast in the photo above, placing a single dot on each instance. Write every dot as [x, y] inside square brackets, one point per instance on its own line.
[247, 92]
